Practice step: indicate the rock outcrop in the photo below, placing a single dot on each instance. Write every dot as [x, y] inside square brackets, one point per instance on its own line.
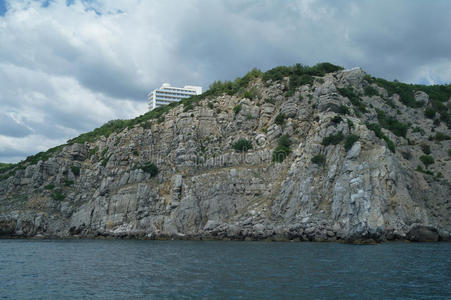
[360, 191]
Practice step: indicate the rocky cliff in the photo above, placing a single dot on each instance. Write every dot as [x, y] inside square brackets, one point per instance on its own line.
[337, 155]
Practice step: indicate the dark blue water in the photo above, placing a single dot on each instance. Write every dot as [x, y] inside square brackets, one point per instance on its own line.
[49, 269]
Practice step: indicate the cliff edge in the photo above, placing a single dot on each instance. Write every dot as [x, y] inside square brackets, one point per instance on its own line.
[305, 153]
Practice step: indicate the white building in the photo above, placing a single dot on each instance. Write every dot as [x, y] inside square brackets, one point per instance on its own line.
[167, 94]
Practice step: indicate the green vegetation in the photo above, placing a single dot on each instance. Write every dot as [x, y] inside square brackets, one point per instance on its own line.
[282, 150]
[75, 170]
[427, 160]
[93, 151]
[420, 169]
[68, 182]
[242, 145]
[149, 168]
[354, 98]
[336, 120]
[418, 129]
[49, 187]
[370, 91]
[343, 110]
[58, 195]
[429, 113]
[350, 140]
[299, 75]
[270, 100]
[210, 105]
[280, 119]
[319, 159]
[237, 109]
[438, 94]
[5, 167]
[449, 152]
[440, 136]
[426, 148]
[333, 139]
[378, 131]
[398, 128]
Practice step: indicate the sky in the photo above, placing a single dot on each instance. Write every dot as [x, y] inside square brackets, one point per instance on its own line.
[67, 67]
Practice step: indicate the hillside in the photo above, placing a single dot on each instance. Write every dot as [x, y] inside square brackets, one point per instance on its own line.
[305, 153]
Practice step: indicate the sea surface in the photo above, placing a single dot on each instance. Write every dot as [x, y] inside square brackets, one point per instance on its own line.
[129, 269]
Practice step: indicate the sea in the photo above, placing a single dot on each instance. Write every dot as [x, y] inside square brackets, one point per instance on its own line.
[136, 269]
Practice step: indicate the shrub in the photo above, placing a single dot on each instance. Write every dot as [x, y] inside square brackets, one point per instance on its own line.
[187, 107]
[376, 128]
[270, 100]
[58, 195]
[68, 182]
[210, 105]
[350, 140]
[406, 154]
[333, 139]
[75, 170]
[343, 110]
[237, 109]
[280, 153]
[420, 169]
[398, 128]
[242, 145]
[354, 98]
[319, 159]
[93, 151]
[280, 119]
[427, 160]
[249, 94]
[426, 148]
[289, 93]
[336, 120]
[440, 136]
[282, 150]
[285, 141]
[50, 186]
[418, 129]
[429, 113]
[149, 168]
[370, 91]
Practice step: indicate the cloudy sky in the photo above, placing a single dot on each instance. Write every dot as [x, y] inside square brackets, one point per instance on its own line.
[67, 67]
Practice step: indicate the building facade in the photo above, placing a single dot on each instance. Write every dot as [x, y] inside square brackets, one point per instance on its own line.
[167, 94]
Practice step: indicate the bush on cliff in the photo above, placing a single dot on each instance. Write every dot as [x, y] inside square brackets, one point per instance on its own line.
[282, 150]
[242, 145]
[149, 168]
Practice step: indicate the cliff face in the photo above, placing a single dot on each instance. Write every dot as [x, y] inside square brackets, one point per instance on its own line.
[327, 188]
